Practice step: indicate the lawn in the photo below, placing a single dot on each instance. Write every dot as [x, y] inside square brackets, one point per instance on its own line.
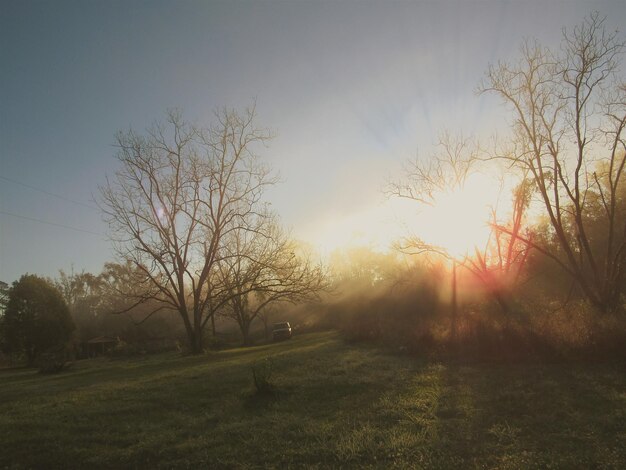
[335, 405]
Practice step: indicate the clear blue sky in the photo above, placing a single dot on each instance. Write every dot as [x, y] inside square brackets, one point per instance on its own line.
[351, 89]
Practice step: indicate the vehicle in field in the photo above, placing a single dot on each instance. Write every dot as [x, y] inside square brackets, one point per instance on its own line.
[281, 331]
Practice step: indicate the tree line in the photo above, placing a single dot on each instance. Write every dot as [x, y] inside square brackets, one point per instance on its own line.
[193, 233]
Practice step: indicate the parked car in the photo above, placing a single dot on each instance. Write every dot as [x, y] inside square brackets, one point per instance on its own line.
[281, 330]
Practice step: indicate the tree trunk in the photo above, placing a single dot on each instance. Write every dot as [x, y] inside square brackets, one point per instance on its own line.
[503, 300]
[245, 332]
[194, 332]
[194, 337]
[265, 321]
[30, 357]
[197, 347]
[611, 302]
[453, 331]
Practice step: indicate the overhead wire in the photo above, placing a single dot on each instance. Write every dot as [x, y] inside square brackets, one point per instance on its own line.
[35, 188]
[33, 219]
[46, 222]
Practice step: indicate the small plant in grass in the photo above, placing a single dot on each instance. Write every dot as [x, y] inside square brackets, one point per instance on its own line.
[262, 375]
[504, 432]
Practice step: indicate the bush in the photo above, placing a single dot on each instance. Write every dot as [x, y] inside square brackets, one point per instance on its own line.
[53, 362]
[262, 375]
[421, 324]
[407, 318]
[123, 349]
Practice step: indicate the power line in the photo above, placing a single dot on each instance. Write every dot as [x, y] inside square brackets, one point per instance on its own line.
[32, 219]
[34, 188]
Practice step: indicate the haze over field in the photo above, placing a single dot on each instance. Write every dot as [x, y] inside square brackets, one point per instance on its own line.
[350, 89]
[356, 234]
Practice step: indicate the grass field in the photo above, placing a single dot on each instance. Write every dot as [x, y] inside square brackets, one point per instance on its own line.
[335, 405]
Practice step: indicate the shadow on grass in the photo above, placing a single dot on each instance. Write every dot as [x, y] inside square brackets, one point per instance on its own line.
[259, 402]
[532, 416]
[19, 384]
[333, 405]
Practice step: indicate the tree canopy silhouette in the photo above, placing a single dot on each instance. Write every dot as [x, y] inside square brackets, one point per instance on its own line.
[180, 192]
[568, 118]
[36, 319]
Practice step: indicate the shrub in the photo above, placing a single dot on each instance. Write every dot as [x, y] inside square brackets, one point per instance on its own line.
[53, 362]
[262, 375]
[124, 349]
[406, 317]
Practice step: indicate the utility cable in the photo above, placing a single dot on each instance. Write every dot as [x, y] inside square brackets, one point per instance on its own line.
[32, 219]
[34, 188]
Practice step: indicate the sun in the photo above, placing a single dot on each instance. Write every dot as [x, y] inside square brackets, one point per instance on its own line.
[459, 221]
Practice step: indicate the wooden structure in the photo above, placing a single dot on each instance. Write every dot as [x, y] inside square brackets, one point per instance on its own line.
[98, 346]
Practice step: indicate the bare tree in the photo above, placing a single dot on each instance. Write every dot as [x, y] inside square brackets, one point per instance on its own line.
[447, 170]
[180, 191]
[266, 316]
[263, 267]
[80, 290]
[499, 263]
[569, 114]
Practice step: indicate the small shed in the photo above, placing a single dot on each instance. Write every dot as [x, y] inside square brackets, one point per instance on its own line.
[99, 345]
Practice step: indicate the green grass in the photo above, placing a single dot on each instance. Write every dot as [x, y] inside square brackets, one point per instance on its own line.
[335, 405]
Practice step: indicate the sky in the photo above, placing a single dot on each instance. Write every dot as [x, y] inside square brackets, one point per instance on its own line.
[351, 90]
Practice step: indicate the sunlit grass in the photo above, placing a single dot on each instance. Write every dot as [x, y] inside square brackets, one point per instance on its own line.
[335, 405]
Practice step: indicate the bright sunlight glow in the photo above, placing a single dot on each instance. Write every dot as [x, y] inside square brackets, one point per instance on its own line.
[376, 226]
[459, 220]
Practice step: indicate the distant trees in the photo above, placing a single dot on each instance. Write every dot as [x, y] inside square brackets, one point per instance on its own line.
[361, 268]
[4, 299]
[569, 115]
[4, 296]
[126, 292]
[80, 290]
[111, 303]
[36, 319]
[82, 293]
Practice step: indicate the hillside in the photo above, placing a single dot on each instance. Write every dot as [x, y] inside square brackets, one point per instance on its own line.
[336, 405]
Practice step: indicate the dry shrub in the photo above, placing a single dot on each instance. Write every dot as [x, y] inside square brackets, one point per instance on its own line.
[419, 322]
[485, 333]
[405, 318]
[578, 331]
